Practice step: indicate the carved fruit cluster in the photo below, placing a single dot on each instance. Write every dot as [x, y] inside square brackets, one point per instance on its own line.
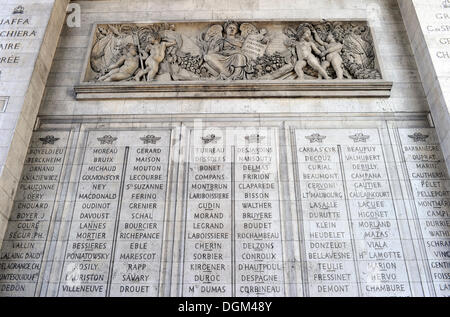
[267, 64]
[192, 63]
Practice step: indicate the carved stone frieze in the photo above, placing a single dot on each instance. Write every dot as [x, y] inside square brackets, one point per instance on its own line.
[218, 53]
[232, 51]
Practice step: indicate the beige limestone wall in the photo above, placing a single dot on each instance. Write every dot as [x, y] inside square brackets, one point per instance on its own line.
[428, 26]
[23, 83]
[383, 15]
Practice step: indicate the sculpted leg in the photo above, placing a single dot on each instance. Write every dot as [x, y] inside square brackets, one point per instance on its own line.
[211, 70]
[337, 66]
[141, 73]
[154, 68]
[299, 69]
[118, 77]
[108, 75]
[314, 63]
[325, 65]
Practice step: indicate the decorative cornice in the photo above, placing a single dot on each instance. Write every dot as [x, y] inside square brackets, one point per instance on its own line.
[323, 88]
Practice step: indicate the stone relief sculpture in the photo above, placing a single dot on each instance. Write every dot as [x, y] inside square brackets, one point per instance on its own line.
[305, 48]
[153, 54]
[124, 68]
[232, 51]
[110, 42]
[225, 59]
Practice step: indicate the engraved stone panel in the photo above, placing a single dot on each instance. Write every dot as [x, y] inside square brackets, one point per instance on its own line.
[352, 245]
[22, 253]
[116, 233]
[233, 239]
[431, 190]
[118, 215]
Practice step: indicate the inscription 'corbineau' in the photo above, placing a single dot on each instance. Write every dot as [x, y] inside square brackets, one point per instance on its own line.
[232, 51]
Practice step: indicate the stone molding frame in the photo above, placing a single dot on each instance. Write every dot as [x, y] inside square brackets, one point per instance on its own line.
[232, 59]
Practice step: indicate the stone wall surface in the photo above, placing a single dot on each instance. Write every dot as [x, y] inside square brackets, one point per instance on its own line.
[428, 28]
[232, 196]
[29, 39]
[384, 17]
[260, 208]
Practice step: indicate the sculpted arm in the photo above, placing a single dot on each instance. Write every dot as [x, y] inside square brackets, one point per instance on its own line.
[335, 48]
[119, 63]
[289, 43]
[318, 39]
[114, 30]
[332, 49]
[239, 43]
[170, 43]
[315, 49]
[144, 54]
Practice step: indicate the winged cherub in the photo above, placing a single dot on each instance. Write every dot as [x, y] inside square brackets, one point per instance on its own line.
[125, 67]
[154, 54]
[304, 49]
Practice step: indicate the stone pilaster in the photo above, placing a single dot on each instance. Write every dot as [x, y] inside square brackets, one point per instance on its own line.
[29, 33]
[428, 25]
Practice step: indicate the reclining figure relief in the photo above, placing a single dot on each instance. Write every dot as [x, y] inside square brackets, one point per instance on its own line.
[232, 51]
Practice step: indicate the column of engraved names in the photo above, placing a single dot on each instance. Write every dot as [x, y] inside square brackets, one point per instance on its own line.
[380, 258]
[21, 257]
[137, 258]
[431, 189]
[88, 252]
[257, 227]
[330, 262]
[208, 249]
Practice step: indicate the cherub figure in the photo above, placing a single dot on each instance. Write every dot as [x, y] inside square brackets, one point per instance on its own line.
[154, 54]
[125, 67]
[304, 49]
[332, 54]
